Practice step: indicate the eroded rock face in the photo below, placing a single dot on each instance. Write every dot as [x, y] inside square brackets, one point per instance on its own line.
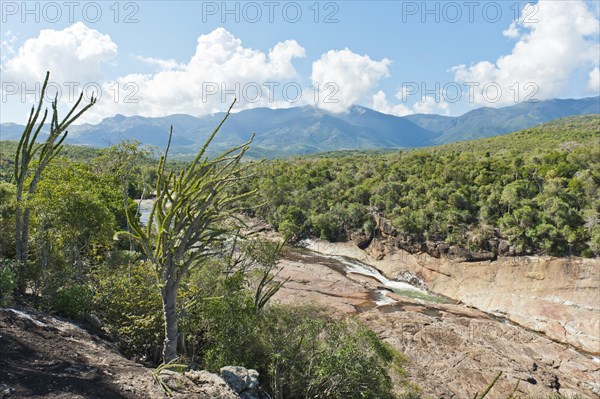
[557, 296]
[453, 350]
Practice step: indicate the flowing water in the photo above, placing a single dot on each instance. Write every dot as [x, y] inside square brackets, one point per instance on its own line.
[347, 265]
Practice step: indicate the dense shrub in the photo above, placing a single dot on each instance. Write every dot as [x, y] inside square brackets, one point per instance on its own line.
[8, 280]
[527, 188]
[7, 220]
[127, 301]
[312, 355]
[73, 301]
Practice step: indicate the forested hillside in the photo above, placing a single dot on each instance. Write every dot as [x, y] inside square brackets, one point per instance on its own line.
[534, 191]
[185, 289]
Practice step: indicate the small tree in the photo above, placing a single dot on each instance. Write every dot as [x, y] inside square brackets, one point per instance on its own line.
[124, 160]
[26, 151]
[186, 224]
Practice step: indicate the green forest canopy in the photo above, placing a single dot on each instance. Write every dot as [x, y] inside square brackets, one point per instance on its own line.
[536, 189]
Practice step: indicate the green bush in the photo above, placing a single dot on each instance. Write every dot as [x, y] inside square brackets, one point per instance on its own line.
[312, 355]
[73, 301]
[7, 219]
[8, 281]
[127, 301]
[300, 352]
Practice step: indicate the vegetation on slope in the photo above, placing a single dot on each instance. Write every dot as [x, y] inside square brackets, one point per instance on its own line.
[535, 191]
[77, 265]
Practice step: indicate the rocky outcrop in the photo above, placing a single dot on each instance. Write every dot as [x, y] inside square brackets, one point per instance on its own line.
[45, 357]
[556, 296]
[453, 351]
[196, 385]
[244, 382]
[559, 297]
[233, 382]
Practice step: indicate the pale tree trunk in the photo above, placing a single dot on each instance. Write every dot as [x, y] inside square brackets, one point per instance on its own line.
[169, 298]
[125, 206]
[22, 245]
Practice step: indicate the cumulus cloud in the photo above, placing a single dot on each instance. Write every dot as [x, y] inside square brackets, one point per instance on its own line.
[354, 76]
[594, 82]
[74, 54]
[555, 42]
[431, 105]
[380, 103]
[220, 69]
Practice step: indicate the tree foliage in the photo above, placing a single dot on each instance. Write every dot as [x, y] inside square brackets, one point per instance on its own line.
[186, 224]
[26, 175]
[537, 189]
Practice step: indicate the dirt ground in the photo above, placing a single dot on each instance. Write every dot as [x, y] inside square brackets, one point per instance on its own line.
[46, 357]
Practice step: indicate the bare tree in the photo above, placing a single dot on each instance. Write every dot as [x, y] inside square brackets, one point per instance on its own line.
[187, 222]
[26, 151]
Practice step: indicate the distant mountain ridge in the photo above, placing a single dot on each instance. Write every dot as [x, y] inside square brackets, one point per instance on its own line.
[486, 122]
[305, 130]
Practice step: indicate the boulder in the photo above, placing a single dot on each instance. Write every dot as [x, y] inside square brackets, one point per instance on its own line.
[243, 381]
[233, 383]
[239, 378]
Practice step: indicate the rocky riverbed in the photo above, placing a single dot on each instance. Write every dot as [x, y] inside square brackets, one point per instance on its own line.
[454, 350]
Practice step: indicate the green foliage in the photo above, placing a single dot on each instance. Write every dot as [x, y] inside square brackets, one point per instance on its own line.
[126, 161]
[8, 280]
[74, 213]
[538, 188]
[30, 160]
[73, 301]
[299, 352]
[7, 219]
[314, 356]
[128, 302]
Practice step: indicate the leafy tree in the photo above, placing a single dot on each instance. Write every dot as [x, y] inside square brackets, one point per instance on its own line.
[186, 224]
[74, 212]
[124, 161]
[27, 175]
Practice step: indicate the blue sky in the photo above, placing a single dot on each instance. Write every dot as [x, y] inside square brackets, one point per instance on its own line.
[155, 57]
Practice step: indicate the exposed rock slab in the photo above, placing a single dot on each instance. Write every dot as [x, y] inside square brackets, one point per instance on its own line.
[557, 296]
[454, 351]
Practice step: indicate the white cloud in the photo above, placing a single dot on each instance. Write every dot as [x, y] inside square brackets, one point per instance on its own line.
[512, 31]
[594, 82]
[381, 104]
[162, 64]
[553, 43]
[74, 54]
[353, 75]
[220, 69]
[7, 45]
[424, 105]
[431, 105]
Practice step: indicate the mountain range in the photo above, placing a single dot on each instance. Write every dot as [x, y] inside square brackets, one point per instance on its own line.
[305, 130]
